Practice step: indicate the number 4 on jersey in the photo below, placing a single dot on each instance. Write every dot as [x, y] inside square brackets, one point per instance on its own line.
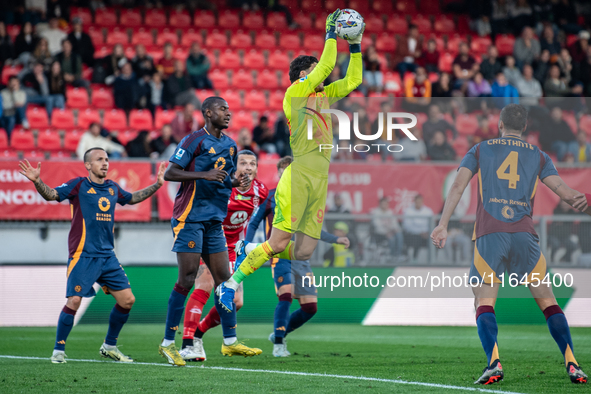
[512, 176]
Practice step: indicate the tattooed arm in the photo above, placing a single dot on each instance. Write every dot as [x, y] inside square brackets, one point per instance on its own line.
[141, 195]
[570, 196]
[34, 175]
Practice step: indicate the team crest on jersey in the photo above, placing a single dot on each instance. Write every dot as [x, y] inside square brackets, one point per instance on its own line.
[111, 191]
[191, 244]
[507, 212]
[280, 279]
[231, 151]
[78, 289]
[104, 204]
[220, 163]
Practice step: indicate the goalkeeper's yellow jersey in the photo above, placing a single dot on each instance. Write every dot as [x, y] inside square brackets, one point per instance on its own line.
[301, 103]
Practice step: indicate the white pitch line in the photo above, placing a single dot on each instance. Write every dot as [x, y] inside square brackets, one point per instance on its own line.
[321, 375]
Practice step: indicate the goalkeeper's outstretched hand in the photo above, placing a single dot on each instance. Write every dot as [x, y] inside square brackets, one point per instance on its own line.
[331, 21]
[357, 40]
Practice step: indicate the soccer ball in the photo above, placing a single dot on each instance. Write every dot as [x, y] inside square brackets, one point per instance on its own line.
[350, 24]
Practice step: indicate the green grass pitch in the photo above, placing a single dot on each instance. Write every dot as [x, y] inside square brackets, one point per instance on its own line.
[449, 356]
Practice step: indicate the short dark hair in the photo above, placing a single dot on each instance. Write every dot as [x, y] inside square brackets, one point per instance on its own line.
[263, 119]
[514, 117]
[299, 64]
[247, 152]
[12, 77]
[284, 162]
[209, 102]
[87, 153]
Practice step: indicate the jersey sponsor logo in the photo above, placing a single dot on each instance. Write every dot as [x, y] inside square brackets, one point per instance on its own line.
[179, 153]
[220, 163]
[238, 217]
[78, 289]
[111, 191]
[211, 150]
[91, 191]
[104, 204]
[507, 212]
[231, 151]
[191, 244]
[240, 197]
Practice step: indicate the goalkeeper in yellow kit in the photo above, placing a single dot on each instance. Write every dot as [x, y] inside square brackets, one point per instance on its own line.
[301, 192]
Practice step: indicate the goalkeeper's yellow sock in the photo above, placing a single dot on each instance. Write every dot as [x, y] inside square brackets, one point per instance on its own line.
[255, 259]
[287, 253]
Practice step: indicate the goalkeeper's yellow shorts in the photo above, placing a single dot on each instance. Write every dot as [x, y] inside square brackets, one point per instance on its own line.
[300, 200]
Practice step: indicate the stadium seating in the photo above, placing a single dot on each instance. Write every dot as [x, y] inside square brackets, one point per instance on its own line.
[115, 119]
[254, 60]
[314, 43]
[585, 124]
[480, 44]
[105, 17]
[189, 37]
[443, 24]
[276, 100]
[290, 41]
[385, 43]
[37, 117]
[163, 117]
[76, 97]
[22, 140]
[7, 72]
[140, 119]
[279, 61]
[130, 17]
[9, 155]
[179, 18]
[96, 36]
[88, 116]
[504, 44]
[571, 120]
[445, 62]
[276, 21]
[62, 119]
[265, 40]
[49, 140]
[219, 79]
[83, 13]
[142, 36]
[3, 140]
[253, 20]
[126, 136]
[392, 82]
[240, 120]
[102, 98]
[72, 139]
[397, 25]
[303, 20]
[166, 35]
[240, 40]
[204, 19]
[155, 18]
[216, 40]
[229, 60]
[255, 100]
[374, 24]
[267, 80]
[229, 19]
[242, 79]
[466, 124]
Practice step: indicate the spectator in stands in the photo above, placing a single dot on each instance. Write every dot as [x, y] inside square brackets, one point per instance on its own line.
[93, 139]
[165, 141]
[435, 122]
[541, 66]
[372, 70]
[557, 136]
[512, 73]
[37, 87]
[555, 86]
[491, 65]
[417, 92]
[166, 64]
[198, 66]
[442, 87]
[582, 73]
[582, 152]
[529, 88]
[34, 10]
[549, 42]
[244, 141]
[416, 225]
[57, 83]
[527, 48]
[111, 65]
[464, 67]
[14, 104]
[565, 15]
[412, 150]
[184, 123]
[282, 134]
[560, 232]
[41, 54]
[504, 93]
[484, 131]
[579, 50]
[81, 43]
[478, 87]
[25, 43]
[71, 65]
[58, 9]
[140, 145]
[126, 89]
[143, 64]
[154, 94]
[430, 58]
[6, 47]
[521, 14]
[264, 135]
[439, 149]
[408, 51]
[385, 227]
[178, 89]
[54, 36]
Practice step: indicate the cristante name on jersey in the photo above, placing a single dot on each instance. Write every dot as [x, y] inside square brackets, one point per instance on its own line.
[511, 142]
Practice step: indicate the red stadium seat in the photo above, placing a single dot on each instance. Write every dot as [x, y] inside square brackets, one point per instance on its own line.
[421, 119]
[265, 40]
[115, 119]
[117, 36]
[126, 136]
[290, 41]
[163, 117]
[397, 25]
[453, 43]
[156, 52]
[3, 140]
[254, 60]
[466, 124]
[72, 139]
[102, 98]
[374, 24]
[88, 116]
[276, 100]
[189, 37]
[386, 43]
[480, 44]
[8, 72]
[430, 6]
[313, 43]
[49, 140]
[142, 36]
[585, 124]
[504, 44]
[83, 13]
[13, 31]
[240, 40]
[279, 61]
[392, 82]
[361, 6]
[167, 35]
[330, 5]
[303, 20]
[240, 120]
[130, 17]
[445, 62]
[383, 7]
[493, 121]
[233, 99]
[179, 18]
[140, 119]
[461, 146]
[284, 81]
[406, 7]
[76, 97]
[37, 117]
[9, 155]
[204, 19]
[219, 79]
[228, 19]
[96, 36]
[253, 20]
[313, 6]
[102, 51]
[180, 53]
[198, 116]
[276, 21]
[242, 80]
[229, 60]
[216, 40]
[155, 17]
[255, 100]
[443, 24]
[423, 23]
[22, 140]
[202, 94]
[267, 80]
[571, 120]
[62, 119]
[105, 17]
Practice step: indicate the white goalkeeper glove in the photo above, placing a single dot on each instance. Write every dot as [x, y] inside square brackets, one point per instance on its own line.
[357, 40]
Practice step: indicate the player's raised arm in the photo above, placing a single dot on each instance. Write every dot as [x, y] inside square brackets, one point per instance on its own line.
[354, 76]
[34, 175]
[570, 196]
[329, 238]
[141, 195]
